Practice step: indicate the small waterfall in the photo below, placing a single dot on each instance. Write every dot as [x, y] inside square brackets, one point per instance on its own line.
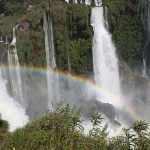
[146, 52]
[98, 2]
[69, 65]
[144, 74]
[106, 17]
[87, 2]
[148, 21]
[73, 1]
[6, 42]
[11, 110]
[52, 79]
[14, 68]
[104, 57]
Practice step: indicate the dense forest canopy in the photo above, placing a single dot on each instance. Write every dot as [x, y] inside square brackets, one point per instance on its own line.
[127, 23]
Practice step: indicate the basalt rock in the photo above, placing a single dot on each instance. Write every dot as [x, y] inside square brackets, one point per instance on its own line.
[106, 109]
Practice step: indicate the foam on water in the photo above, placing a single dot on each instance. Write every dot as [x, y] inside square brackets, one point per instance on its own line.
[10, 110]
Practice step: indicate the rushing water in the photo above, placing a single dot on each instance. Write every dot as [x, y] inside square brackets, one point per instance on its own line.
[104, 57]
[11, 110]
[35, 86]
[87, 2]
[15, 70]
[146, 52]
[52, 80]
[144, 74]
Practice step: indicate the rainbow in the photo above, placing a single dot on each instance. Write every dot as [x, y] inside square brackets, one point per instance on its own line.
[117, 100]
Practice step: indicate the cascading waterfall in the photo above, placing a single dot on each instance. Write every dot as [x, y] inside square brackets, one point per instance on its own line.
[73, 1]
[52, 80]
[148, 21]
[106, 18]
[6, 42]
[69, 65]
[146, 70]
[11, 110]
[104, 57]
[144, 74]
[87, 2]
[14, 68]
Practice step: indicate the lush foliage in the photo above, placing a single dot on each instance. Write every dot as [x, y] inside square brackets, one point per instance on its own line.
[72, 33]
[63, 129]
[128, 23]
[73, 37]
[3, 132]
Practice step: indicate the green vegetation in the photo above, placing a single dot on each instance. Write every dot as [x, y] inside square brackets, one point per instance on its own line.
[72, 33]
[128, 23]
[73, 37]
[63, 129]
[3, 132]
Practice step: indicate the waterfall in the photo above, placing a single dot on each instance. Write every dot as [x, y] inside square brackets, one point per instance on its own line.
[106, 18]
[73, 1]
[69, 65]
[146, 52]
[14, 68]
[11, 110]
[148, 21]
[144, 74]
[87, 2]
[6, 42]
[104, 57]
[52, 79]
[98, 2]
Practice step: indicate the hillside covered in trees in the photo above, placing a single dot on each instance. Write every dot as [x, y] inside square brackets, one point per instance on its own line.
[73, 32]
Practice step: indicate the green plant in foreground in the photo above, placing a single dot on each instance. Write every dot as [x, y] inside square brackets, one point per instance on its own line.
[62, 129]
[142, 140]
[98, 132]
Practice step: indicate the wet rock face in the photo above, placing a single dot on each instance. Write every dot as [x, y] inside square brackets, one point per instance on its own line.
[24, 26]
[107, 109]
[104, 108]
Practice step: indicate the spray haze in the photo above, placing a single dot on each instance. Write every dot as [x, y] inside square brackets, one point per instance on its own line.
[11, 110]
[104, 58]
[36, 90]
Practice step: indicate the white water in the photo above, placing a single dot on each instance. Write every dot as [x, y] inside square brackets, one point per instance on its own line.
[52, 80]
[14, 68]
[148, 20]
[104, 57]
[145, 71]
[74, 1]
[10, 110]
[87, 2]
[69, 65]
[144, 68]
[106, 18]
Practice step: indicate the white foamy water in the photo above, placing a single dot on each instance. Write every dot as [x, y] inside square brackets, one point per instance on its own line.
[10, 110]
[52, 79]
[14, 66]
[104, 57]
